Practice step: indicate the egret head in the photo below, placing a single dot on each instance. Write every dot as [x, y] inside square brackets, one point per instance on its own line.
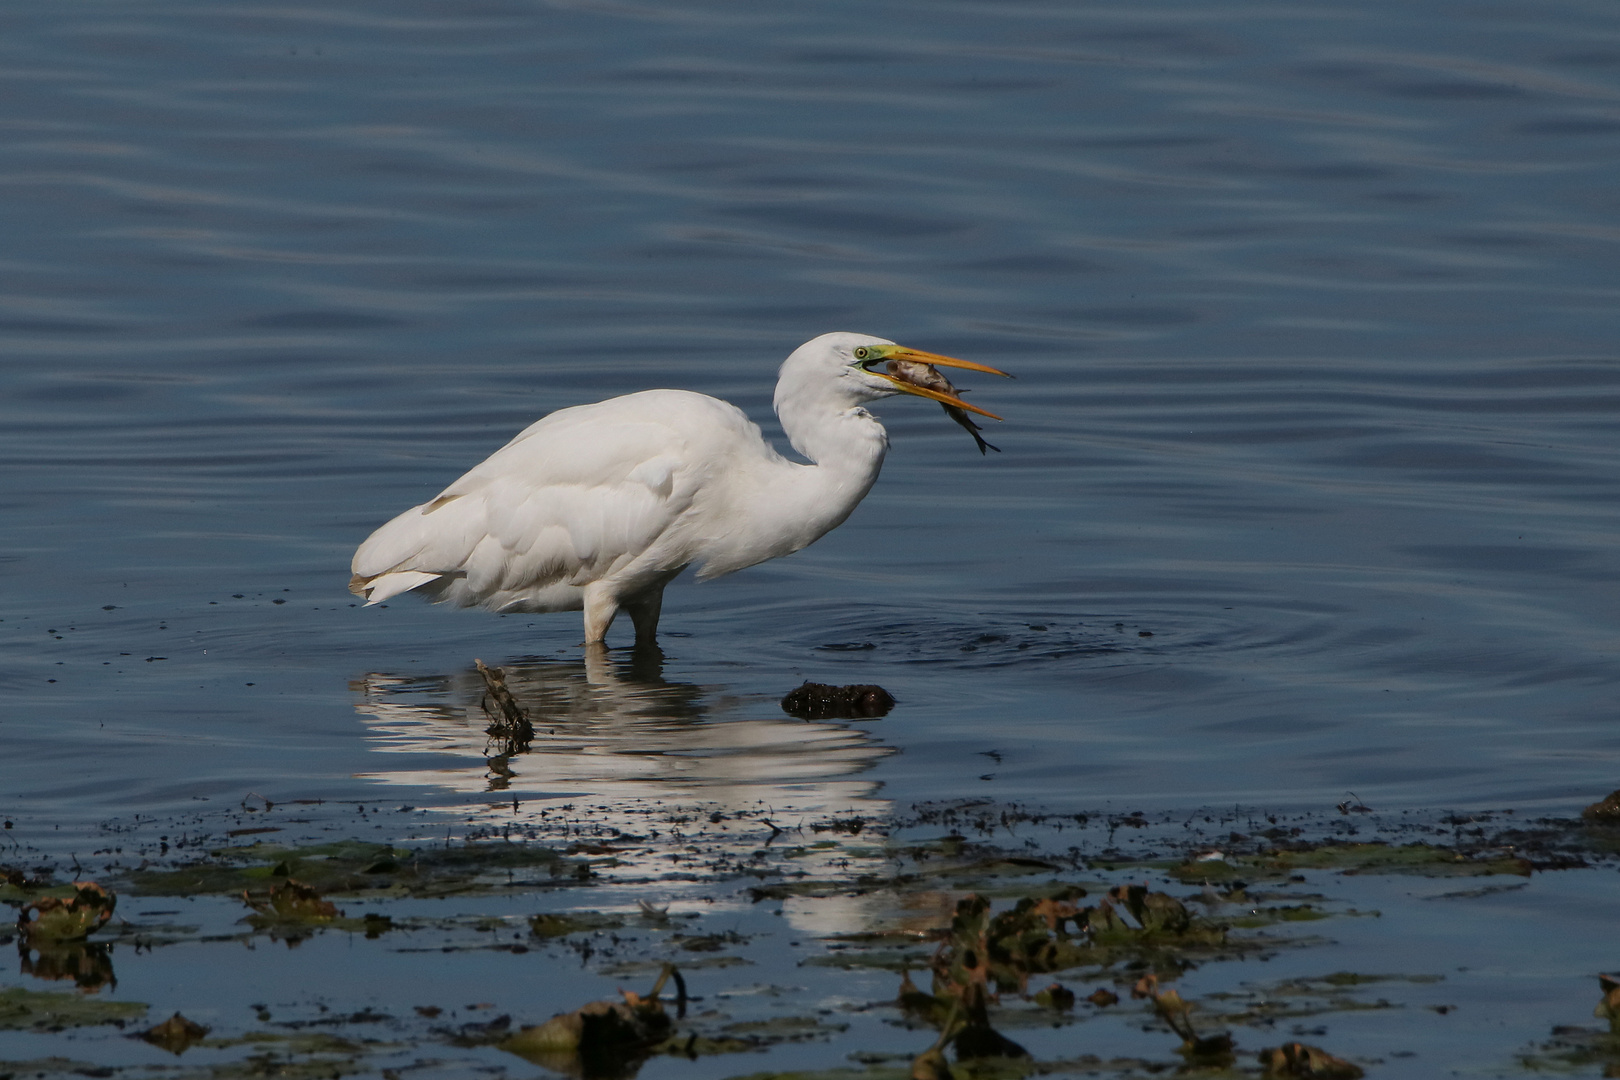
[849, 366]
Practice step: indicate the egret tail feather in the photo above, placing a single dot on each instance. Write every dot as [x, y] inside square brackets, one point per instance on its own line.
[383, 586]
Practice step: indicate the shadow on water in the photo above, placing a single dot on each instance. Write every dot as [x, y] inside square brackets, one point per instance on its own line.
[609, 727]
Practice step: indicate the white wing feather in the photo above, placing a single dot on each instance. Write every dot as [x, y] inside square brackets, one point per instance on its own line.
[583, 494]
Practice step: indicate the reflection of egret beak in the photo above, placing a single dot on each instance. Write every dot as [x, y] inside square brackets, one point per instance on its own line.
[872, 354]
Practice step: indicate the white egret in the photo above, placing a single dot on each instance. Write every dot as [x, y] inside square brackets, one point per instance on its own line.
[597, 507]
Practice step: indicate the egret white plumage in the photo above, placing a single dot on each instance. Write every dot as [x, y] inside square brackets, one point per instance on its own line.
[598, 507]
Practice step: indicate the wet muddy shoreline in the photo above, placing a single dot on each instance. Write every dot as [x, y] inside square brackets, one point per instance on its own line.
[844, 944]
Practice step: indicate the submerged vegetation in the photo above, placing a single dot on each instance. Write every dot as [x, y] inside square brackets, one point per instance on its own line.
[967, 940]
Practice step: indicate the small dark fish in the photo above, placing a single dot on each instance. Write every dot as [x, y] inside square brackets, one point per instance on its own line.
[928, 376]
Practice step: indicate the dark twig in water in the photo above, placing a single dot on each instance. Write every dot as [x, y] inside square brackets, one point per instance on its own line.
[680, 992]
[1354, 805]
[509, 722]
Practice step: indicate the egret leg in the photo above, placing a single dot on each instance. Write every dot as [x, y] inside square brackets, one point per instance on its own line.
[644, 611]
[600, 608]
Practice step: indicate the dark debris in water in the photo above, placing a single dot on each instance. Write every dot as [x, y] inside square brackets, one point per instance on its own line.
[51, 920]
[1605, 811]
[176, 1034]
[1573, 1047]
[510, 729]
[819, 701]
[602, 1038]
[1306, 1062]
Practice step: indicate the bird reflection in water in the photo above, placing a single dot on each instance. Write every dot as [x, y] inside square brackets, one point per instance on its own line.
[609, 729]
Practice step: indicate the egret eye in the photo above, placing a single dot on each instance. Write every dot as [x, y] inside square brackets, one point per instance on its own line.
[861, 352]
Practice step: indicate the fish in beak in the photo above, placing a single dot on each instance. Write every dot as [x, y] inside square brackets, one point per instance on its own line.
[916, 372]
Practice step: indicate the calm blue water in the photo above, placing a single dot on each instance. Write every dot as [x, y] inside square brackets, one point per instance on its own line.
[1313, 309]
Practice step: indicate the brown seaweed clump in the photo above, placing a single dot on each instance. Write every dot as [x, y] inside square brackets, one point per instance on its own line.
[604, 1039]
[52, 919]
[1606, 811]
[819, 701]
[1309, 1062]
[176, 1034]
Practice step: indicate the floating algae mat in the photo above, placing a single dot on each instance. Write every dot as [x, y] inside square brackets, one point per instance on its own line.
[962, 939]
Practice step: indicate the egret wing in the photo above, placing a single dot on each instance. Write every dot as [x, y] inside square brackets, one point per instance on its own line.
[578, 495]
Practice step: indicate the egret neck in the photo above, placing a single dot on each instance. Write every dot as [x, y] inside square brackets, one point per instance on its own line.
[846, 447]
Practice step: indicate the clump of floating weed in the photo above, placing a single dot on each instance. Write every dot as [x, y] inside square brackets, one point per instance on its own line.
[176, 1034]
[1040, 935]
[51, 920]
[985, 954]
[603, 1038]
[1296, 1060]
[1581, 1047]
[1201, 1051]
